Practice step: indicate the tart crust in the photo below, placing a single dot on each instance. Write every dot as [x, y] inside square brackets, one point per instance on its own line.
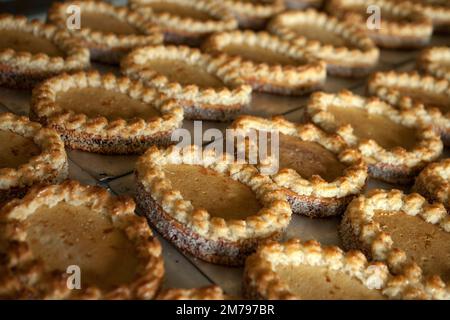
[264, 77]
[341, 60]
[385, 86]
[313, 197]
[98, 134]
[437, 11]
[396, 165]
[108, 47]
[23, 70]
[26, 276]
[436, 61]
[433, 183]
[205, 293]
[409, 29]
[221, 104]
[187, 30]
[194, 230]
[49, 166]
[359, 230]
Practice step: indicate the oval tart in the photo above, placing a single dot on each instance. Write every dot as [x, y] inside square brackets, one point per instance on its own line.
[437, 10]
[185, 21]
[394, 146]
[346, 50]
[205, 293]
[208, 205]
[191, 77]
[108, 31]
[436, 62]
[317, 171]
[71, 241]
[267, 63]
[31, 51]
[105, 114]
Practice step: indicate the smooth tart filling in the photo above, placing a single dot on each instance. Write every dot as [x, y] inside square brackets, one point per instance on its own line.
[316, 32]
[259, 54]
[179, 10]
[16, 150]
[22, 41]
[106, 23]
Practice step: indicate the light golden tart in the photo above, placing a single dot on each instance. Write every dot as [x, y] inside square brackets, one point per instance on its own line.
[434, 183]
[404, 230]
[401, 26]
[29, 155]
[424, 97]
[319, 174]
[105, 114]
[267, 63]
[108, 31]
[346, 50]
[208, 205]
[394, 146]
[193, 78]
[303, 4]
[31, 51]
[57, 229]
[185, 21]
[436, 62]
[253, 14]
[205, 293]
[437, 10]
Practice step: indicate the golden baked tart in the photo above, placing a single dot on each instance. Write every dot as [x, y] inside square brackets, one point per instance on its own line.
[105, 114]
[437, 10]
[206, 293]
[267, 63]
[400, 26]
[434, 183]
[394, 146]
[29, 155]
[31, 51]
[436, 61]
[193, 78]
[71, 241]
[303, 4]
[208, 205]
[185, 21]
[108, 31]
[319, 174]
[346, 50]
[309, 271]
[253, 14]
[403, 230]
[424, 97]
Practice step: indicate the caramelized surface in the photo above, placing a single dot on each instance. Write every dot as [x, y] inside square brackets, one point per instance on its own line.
[21, 41]
[314, 32]
[429, 99]
[179, 10]
[15, 149]
[103, 22]
[259, 54]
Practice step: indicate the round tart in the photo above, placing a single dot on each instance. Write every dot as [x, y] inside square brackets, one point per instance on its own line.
[400, 26]
[319, 174]
[434, 183]
[437, 10]
[29, 155]
[59, 233]
[31, 51]
[346, 50]
[185, 21]
[208, 205]
[424, 97]
[436, 61]
[302, 4]
[267, 63]
[108, 31]
[403, 230]
[191, 77]
[253, 14]
[105, 114]
[205, 293]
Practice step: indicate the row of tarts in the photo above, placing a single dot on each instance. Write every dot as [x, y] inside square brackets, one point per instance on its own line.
[215, 209]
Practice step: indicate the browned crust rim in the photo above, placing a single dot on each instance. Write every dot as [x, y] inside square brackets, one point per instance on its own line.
[253, 14]
[212, 292]
[433, 61]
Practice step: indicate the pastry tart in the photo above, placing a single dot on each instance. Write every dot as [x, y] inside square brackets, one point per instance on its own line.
[394, 146]
[108, 31]
[436, 61]
[29, 155]
[205, 293]
[346, 50]
[437, 10]
[185, 21]
[31, 51]
[105, 114]
[279, 270]
[253, 14]
[267, 63]
[424, 97]
[319, 174]
[208, 205]
[403, 230]
[303, 4]
[195, 79]
[434, 183]
[60, 232]
[400, 26]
